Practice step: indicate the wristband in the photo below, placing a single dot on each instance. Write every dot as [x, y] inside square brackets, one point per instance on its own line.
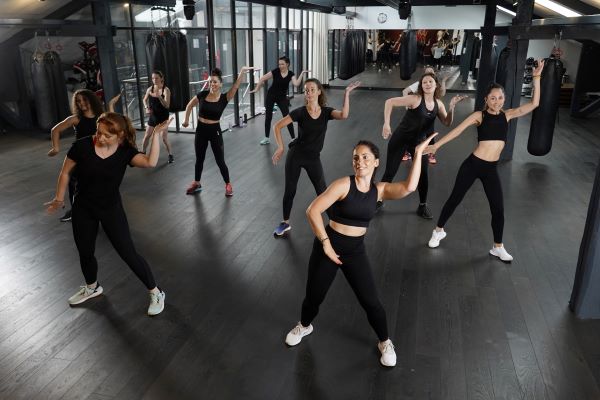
[536, 76]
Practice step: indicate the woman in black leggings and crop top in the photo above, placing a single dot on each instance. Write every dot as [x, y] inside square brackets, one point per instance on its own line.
[86, 108]
[211, 103]
[352, 203]
[418, 122]
[277, 93]
[101, 161]
[156, 104]
[305, 151]
[492, 128]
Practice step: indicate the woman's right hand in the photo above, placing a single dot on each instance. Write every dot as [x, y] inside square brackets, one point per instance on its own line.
[277, 155]
[185, 123]
[53, 205]
[330, 252]
[53, 151]
[424, 147]
[386, 132]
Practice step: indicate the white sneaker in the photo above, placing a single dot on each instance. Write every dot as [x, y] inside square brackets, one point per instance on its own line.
[295, 335]
[157, 303]
[85, 293]
[265, 141]
[501, 253]
[435, 238]
[388, 355]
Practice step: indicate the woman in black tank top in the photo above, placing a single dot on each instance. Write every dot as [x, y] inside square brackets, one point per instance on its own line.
[156, 103]
[417, 123]
[352, 203]
[85, 108]
[277, 93]
[492, 129]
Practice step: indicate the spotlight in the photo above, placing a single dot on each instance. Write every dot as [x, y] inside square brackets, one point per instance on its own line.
[189, 9]
[404, 9]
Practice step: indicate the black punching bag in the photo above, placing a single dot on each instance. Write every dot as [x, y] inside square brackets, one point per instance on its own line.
[408, 54]
[544, 116]
[501, 71]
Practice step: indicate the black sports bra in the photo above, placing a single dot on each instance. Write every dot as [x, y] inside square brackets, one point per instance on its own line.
[357, 208]
[492, 127]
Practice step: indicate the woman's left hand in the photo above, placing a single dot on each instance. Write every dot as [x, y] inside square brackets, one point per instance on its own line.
[457, 99]
[352, 86]
[53, 205]
[540, 66]
[423, 147]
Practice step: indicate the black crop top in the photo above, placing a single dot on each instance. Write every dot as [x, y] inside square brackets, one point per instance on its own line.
[211, 109]
[418, 123]
[280, 84]
[85, 127]
[357, 208]
[492, 127]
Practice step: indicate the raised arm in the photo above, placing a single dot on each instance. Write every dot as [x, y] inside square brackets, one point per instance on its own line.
[398, 190]
[535, 99]
[405, 101]
[472, 119]
[283, 122]
[238, 81]
[61, 187]
[446, 117]
[55, 132]
[113, 102]
[262, 81]
[336, 191]
[149, 160]
[337, 114]
[188, 109]
[297, 81]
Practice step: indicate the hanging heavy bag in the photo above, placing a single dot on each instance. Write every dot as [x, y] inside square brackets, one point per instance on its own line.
[501, 71]
[183, 93]
[59, 86]
[408, 54]
[544, 116]
[43, 93]
[156, 54]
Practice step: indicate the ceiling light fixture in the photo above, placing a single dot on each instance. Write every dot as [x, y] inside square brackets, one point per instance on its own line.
[506, 11]
[558, 8]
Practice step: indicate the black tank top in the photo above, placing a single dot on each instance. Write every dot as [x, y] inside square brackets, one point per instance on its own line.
[357, 208]
[85, 127]
[418, 123]
[211, 109]
[280, 84]
[160, 112]
[492, 127]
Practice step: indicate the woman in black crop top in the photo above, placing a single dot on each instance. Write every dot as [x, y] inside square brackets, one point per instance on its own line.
[156, 103]
[101, 161]
[304, 152]
[418, 122]
[211, 104]
[352, 203]
[492, 129]
[85, 108]
[277, 93]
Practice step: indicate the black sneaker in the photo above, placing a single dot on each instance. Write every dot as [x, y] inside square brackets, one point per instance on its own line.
[171, 158]
[66, 217]
[424, 212]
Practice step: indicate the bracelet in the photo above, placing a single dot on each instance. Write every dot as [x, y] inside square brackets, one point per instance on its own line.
[536, 76]
[323, 239]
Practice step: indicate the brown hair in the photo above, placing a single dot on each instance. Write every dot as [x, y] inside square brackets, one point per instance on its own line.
[119, 125]
[436, 93]
[491, 87]
[374, 149]
[217, 73]
[92, 99]
[322, 97]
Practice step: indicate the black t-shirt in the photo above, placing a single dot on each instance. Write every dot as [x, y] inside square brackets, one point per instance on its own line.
[211, 109]
[280, 84]
[85, 127]
[98, 179]
[311, 132]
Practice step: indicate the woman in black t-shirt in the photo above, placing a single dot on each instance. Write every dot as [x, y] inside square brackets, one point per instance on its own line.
[156, 103]
[211, 104]
[277, 93]
[304, 152]
[101, 161]
[86, 108]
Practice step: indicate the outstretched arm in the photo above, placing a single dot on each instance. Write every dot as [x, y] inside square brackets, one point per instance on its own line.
[149, 160]
[337, 114]
[61, 187]
[238, 81]
[446, 117]
[405, 101]
[262, 81]
[297, 81]
[472, 119]
[55, 132]
[535, 100]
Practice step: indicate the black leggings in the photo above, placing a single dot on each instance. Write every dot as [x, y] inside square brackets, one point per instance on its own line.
[284, 105]
[114, 222]
[356, 269]
[397, 146]
[471, 169]
[294, 163]
[206, 133]
[72, 185]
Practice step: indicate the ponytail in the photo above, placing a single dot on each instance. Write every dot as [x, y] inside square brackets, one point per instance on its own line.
[119, 125]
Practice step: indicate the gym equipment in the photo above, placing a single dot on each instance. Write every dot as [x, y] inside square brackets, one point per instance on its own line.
[408, 54]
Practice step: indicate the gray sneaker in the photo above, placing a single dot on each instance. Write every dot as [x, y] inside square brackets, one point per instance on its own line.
[84, 294]
[157, 303]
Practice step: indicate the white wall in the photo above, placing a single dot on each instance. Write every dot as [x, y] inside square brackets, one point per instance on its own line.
[424, 17]
[570, 57]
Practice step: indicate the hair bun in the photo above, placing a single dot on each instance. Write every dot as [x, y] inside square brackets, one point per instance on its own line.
[216, 72]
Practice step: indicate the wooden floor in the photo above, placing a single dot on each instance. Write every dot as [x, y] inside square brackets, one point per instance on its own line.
[465, 326]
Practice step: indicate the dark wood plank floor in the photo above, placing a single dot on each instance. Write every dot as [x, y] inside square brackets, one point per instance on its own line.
[466, 326]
